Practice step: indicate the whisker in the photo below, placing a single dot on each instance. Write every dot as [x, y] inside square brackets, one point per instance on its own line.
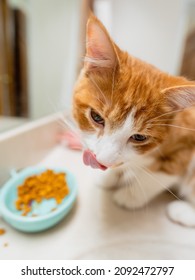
[61, 124]
[97, 97]
[128, 183]
[149, 173]
[142, 190]
[170, 112]
[69, 122]
[175, 126]
[72, 126]
[100, 91]
[52, 104]
[113, 83]
[65, 121]
[160, 120]
[166, 119]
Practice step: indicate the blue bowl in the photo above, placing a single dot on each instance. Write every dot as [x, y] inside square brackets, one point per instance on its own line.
[43, 215]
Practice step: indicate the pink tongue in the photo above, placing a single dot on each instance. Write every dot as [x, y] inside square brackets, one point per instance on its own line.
[90, 159]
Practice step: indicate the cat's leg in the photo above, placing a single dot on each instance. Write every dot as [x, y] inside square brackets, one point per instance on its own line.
[183, 211]
[142, 189]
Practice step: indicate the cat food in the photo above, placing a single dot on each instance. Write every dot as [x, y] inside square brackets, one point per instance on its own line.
[43, 186]
[2, 231]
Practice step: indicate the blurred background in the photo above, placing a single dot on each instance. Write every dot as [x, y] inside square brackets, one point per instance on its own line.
[42, 44]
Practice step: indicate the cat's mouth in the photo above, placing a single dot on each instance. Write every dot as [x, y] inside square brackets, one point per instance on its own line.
[90, 159]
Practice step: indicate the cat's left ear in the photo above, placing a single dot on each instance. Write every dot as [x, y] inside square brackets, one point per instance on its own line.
[101, 51]
[180, 97]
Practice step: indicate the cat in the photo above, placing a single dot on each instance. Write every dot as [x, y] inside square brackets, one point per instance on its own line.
[137, 124]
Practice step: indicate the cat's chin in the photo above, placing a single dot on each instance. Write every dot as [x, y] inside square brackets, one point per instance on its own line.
[117, 165]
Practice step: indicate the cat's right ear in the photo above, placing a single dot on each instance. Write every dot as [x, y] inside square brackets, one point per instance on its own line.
[101, 51]
[180, 97]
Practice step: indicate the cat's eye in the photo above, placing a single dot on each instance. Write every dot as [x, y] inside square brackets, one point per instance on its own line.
[138, 138]
[96, 117]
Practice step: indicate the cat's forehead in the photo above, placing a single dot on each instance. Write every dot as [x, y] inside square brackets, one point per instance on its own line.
[129, 117]
[118, 113]
[131, 110]
[140, 94]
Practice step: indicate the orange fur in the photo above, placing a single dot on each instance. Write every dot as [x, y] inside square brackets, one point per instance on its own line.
[119, 83]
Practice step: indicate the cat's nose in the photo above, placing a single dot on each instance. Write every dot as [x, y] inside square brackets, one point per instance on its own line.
[89, 158]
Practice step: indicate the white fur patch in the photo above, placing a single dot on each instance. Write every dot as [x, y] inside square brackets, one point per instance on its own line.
[181, 212]
[111, 148]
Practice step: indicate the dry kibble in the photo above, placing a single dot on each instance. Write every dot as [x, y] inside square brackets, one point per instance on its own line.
[43, 186]
[2, 231]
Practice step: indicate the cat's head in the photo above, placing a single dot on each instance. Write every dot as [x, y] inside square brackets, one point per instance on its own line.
[119, 101]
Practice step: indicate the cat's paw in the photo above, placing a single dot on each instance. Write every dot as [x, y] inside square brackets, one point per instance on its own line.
[124, 198]
[181, 212]
[106, 179]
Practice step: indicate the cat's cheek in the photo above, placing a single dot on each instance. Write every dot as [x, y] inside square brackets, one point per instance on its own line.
[129, 155]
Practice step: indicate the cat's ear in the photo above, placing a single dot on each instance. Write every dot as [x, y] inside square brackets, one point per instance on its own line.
[100, 50]
[180, 97]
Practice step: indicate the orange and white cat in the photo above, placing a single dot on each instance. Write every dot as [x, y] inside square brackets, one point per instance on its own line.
[137, 124]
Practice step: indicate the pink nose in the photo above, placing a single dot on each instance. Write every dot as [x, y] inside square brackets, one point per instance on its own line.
[90, 159]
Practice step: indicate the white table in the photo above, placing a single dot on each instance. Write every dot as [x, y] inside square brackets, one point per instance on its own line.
[7, 123]
[98, 229]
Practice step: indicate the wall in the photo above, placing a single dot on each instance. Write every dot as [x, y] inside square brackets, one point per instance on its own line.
[52, 33]
[151, 30]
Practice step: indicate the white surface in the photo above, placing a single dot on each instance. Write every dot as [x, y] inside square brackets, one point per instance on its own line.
[7, 123]
[18, 146]
[98, 229]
